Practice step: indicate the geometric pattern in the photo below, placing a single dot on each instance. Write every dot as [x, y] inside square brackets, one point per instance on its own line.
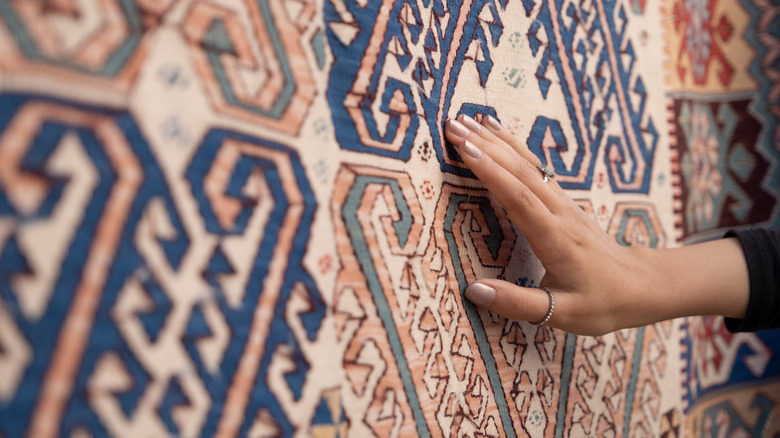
[730, 382]
[241, 217]
[723, 115]
[721, 176]
[277, 86]
[723, 107]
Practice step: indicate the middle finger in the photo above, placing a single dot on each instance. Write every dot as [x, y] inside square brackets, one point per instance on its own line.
[506, 156]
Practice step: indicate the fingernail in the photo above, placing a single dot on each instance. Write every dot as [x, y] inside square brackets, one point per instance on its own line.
[493, 123]
[472, 124]
[457, 128]
[480, 294]
[473, 151]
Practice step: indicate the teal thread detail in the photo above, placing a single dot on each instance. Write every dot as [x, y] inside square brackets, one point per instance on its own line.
[318, 45]
[566, 369]
[14, 24]
[215, 47]
[281, 55]
[496, 236]
[349, 213]
[643, 215]
[640, 340]
[516, 40]
[471, 310]
[403, 227]
[699, 169]
[513, 77]
[217, 38]
[741, 162]
[113, 64]
[631, 390]
[536, 418]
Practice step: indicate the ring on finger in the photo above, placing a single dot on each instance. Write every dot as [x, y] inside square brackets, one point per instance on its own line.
[550, 308]
[547, 173]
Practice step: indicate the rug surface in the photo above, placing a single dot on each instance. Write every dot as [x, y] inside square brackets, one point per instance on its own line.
[241, 218]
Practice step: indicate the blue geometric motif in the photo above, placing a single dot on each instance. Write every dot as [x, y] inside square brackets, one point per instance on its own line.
[129, 265]
[580, 86]
[241, 318]
[435, 98]
[42, 334]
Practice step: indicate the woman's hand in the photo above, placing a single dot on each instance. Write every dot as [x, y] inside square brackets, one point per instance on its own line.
[598, 285]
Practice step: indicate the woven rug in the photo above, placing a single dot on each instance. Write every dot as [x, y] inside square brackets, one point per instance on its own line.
[241, 218]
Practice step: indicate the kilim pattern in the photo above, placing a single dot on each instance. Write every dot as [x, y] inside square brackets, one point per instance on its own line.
[241, 217]
[724, 109]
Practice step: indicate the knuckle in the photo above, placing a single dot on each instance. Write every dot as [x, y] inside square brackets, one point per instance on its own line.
[519, 307]
[585, 318]
[520, 201]
[523, 168]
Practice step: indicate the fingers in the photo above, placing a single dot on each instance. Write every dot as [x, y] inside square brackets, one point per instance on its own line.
[483, 132]
[524, 208]
[514, 302]
[509, 139]
[517, 163]
[527, 211]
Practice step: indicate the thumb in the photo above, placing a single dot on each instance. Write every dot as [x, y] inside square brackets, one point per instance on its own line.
[510, 301]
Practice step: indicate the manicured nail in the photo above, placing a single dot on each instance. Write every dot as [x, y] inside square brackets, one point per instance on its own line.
[494, 125]
[472, 124]
[456, 128]
[480, 294]
[469, 148]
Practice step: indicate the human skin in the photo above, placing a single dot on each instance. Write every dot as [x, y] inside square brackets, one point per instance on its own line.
[599, 285]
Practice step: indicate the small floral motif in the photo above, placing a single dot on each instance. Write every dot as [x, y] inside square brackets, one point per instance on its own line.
[602, 214]
[321, 127]
[525, 282]
[173, 76]
[536, 418]
[427, 190]
[515, 126]
[174, 130]
[514, 77]
[698, 35]
[661, 178]
[601, 181]
[701, 168]
[321, 171]
[516, 40]
[425, 151]
[325, 263]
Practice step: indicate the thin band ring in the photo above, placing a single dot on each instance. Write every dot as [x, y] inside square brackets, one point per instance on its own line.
[550, 309]
[547, 173]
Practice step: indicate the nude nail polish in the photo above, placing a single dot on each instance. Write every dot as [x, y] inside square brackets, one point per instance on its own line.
[493, 123]
[472, 124]
[469, 148]
[480, 294]
[456, 128]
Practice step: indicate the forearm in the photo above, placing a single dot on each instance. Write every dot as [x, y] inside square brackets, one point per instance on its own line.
[709, 278]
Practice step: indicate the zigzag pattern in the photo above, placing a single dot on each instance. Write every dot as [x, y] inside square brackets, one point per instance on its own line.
[241, 218]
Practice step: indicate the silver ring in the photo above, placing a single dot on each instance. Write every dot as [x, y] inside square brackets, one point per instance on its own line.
[550, 309]
[547, 173]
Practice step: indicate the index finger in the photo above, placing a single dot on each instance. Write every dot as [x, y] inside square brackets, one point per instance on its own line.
[529, 214]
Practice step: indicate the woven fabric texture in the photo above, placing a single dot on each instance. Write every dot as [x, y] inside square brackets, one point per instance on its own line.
[241, 217]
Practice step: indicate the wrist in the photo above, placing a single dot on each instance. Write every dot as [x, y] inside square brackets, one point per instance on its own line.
[709, 278]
